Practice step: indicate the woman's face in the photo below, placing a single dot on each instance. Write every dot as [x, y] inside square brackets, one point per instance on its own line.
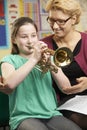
[60, 23]
[26, 37]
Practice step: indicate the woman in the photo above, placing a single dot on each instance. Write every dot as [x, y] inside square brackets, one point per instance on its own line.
[32, 100]
[63, 15]
[1, 83]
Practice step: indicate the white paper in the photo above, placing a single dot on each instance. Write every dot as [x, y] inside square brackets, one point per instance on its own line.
[77, 104]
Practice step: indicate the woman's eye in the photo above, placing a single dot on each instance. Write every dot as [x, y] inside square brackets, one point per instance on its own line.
[61, 21]
[34, 35]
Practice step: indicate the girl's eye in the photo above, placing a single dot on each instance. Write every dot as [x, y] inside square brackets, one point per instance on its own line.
[23, 36]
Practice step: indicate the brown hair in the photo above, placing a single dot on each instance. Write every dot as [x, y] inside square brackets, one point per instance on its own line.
[15, 27]
[70, 7]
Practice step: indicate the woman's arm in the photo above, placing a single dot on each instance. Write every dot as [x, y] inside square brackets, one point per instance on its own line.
[3, 87]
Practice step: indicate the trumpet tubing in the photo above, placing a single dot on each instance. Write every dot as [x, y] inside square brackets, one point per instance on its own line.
[61, 57]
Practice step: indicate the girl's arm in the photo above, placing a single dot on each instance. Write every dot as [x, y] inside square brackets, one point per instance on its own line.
[12, 77]
[61, 80]
[64, 84]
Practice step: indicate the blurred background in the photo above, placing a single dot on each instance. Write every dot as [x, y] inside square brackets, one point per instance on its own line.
[12, 9]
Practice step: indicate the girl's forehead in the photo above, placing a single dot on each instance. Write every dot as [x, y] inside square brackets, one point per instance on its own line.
[27, 27]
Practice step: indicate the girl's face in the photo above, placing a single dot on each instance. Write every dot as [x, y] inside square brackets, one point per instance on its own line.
[26, 36]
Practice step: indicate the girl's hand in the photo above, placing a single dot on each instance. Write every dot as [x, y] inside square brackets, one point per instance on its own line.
[38, 50]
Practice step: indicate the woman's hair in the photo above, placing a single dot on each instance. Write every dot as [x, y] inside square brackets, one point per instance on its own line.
[15, 28]
[70, 7]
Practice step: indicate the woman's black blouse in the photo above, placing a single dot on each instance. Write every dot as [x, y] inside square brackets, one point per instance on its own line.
[72, 71]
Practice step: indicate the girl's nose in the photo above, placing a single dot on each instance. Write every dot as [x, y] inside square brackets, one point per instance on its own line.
[30, 40]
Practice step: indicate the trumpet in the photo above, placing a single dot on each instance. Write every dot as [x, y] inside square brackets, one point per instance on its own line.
[62, 57]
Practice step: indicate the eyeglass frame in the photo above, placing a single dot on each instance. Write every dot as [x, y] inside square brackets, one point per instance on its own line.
[58, 20]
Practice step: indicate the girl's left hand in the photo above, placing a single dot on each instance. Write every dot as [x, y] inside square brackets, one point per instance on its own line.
[79, 87]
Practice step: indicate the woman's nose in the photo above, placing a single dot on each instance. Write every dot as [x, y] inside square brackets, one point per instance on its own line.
[55, 25]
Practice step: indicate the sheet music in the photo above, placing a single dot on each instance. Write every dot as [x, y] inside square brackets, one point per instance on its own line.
[77, 104]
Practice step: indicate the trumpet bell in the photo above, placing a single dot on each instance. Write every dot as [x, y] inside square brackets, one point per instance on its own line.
[63, 57]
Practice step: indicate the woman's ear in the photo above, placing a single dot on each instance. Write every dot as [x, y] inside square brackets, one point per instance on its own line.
[74, 18]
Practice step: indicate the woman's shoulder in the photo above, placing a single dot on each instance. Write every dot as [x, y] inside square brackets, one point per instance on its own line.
[48, 38]
[83, 34]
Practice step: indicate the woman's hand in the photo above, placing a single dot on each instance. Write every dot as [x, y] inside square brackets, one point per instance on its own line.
[3, 87]
[79, 87]
[1, 82]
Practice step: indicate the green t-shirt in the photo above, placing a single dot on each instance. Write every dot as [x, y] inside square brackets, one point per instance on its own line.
[34, 97]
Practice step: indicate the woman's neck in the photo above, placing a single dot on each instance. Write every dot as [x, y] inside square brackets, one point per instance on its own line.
[70, 40]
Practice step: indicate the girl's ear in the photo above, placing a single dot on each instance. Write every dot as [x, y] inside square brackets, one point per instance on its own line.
[13, 41]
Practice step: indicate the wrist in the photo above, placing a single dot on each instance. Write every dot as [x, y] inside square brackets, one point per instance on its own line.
[32, 60]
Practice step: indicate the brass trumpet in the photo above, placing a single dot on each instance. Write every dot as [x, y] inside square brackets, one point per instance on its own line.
[62, 57]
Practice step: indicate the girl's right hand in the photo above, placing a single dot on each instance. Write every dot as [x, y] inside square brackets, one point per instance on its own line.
[38, 50]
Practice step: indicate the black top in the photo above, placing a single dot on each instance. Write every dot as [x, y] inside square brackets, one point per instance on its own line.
[72, 71]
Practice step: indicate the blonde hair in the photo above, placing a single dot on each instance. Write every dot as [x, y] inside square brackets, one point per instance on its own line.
[70, 7]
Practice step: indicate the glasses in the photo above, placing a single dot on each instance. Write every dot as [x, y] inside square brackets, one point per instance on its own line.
[60, 22]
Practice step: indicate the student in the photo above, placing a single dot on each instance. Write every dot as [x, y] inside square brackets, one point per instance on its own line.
[32, 99]
[63, 16]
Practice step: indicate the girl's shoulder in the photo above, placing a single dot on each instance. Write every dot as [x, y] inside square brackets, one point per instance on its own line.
[9, 57]
[15, 60]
